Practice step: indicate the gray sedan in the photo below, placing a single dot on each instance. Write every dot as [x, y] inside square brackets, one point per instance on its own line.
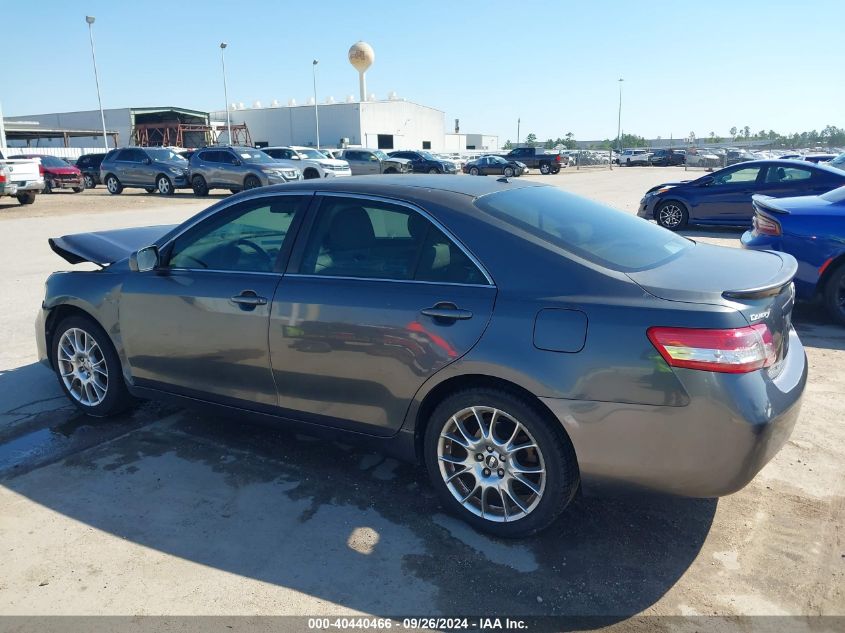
[520, 342]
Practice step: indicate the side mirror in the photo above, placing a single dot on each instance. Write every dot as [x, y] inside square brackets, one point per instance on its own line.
[705, 181]
[144, 260]
[237, 161]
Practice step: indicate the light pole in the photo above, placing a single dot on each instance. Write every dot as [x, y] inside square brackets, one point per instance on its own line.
[226, 92]
[619, 122]
[518, 121]
[316, 111]
[90, 20]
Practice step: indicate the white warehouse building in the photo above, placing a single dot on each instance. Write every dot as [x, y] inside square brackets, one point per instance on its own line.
[389, 124]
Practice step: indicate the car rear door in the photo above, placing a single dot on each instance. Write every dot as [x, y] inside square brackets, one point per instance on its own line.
[377, 299]
[197, 325]
[790, 180]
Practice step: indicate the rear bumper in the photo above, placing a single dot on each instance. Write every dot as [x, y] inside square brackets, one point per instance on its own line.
[733, 425]
[14, 188]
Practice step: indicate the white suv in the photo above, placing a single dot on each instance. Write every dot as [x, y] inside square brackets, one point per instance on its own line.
[314, 164]
[634, 157]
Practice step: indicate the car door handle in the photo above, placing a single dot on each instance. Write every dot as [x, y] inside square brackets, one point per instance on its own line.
[249, 298]
[446, 312]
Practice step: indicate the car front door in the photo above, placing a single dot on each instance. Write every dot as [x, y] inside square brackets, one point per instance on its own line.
[376, 300]
[727, 198]
[197, 325]
[357, 161]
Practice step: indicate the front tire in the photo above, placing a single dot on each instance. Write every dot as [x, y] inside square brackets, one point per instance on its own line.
[113, 185]
[473, 171]
[498, 463]
[508, 172]
[199, 186]
[78, 189]
[671, 215]
[434, 170]
[164, 185]
[48, 186]
[834, 294]
[27, 197]
[88, 368]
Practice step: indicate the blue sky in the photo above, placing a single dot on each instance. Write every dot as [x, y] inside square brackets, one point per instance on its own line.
[688, 66]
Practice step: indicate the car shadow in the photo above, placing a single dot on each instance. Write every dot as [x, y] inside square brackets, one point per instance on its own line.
[334, 522]
[816, 327]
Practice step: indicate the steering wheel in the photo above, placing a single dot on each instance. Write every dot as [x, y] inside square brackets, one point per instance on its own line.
[250, 244]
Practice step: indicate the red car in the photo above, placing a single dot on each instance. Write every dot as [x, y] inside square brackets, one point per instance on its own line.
[58, 174]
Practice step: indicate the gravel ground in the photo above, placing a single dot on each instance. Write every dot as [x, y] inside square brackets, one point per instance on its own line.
[166, 511]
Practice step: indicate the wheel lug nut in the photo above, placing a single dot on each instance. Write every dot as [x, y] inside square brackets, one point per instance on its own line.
[501, 472]
[489, 449]
[486, 472]
[479, 457]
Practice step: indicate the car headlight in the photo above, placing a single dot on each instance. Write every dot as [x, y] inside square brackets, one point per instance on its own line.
[269, 171]
[290, 174]
[177, 171]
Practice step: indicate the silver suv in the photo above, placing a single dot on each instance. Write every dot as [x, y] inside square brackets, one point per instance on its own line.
[363, 160]
[237, 168]
[151, 168]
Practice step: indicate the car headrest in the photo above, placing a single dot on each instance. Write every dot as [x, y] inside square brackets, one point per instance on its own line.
[351, 229]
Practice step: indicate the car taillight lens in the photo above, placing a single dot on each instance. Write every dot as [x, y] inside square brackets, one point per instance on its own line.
[2, 177]
[765, 225]
[557, 158]
[731, 351]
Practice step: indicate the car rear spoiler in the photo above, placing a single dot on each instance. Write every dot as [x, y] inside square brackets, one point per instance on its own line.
[772, 288]
[768, 203]
[105, 247]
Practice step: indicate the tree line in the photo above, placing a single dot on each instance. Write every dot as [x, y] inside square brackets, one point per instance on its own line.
[830, 136]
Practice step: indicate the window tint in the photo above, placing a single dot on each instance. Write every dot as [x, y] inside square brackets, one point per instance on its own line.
[378, 240]
[210, 156]
[132, 155]
[743, 175]
[787, 174]
[599, 234]
[246, 239]
[352, 155]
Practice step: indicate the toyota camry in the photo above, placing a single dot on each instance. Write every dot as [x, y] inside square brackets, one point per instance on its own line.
[524, 344]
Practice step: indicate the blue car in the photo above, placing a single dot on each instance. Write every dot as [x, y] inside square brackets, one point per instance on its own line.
[812, 230]
[723, 198]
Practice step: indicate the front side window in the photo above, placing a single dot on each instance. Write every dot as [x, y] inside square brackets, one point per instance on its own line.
[247, 239]
[379, 240]
[742, 176]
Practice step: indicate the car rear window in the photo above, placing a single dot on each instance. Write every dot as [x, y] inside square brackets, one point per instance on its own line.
[613, 239]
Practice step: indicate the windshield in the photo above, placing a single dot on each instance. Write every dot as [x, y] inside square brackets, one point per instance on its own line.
[428, 156]
[312, 153]
[167, 155]
[835, 196]
[839, 161]
[592, 231]
[252, 155]
[381, 155]
[48, 161]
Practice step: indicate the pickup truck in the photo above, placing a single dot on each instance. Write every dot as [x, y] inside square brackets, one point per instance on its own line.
[374, 161]
[537, 158]
[634, 157]
[20, 178]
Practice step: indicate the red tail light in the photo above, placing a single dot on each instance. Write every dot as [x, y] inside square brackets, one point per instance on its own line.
[765, 225]
[2, 177]
[732, 351]
[557, 158]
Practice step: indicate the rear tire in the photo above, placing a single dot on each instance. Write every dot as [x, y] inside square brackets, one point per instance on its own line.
[545, 169]
[199, 186]
[27, 197]
[90, 183]
[495, 499]
[113, 185]
[834, 294]
[473, 171]
[78, 189]
[48, 186]
[93, 378]
[150, 189]
[671, 215]
[235, 190]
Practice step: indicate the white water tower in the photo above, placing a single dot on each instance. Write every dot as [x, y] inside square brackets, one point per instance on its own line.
[362, 56]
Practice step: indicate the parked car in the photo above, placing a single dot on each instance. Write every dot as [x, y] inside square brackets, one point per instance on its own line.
[494, 166]
[20, 178]
[702, 158]
[311, 162]
[238, 168]
[423, 162]
[724, 197]
[668, 157]
[537, 158]
[631, 157]
[186, 153]
[89, 165]
[734, 157]
[365, 161]
[677, 371]
[812, 230]
[838, 161]
[57, 174]
[818, 158]
[149, 168]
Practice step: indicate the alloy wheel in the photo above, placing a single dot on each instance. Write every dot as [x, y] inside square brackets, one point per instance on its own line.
[491, 464]
[670, 215]
[82, 367]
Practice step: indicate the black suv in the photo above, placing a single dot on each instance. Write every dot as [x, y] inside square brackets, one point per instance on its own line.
[89, 165]
[426, 162]
[668, 157]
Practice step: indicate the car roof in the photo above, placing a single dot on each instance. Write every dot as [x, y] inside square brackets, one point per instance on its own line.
[410, 186]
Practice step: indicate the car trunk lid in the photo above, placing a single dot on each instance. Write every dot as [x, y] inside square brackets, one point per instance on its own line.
[757, 284]
[105, 247]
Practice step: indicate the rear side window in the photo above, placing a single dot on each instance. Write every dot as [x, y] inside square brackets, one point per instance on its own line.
[787, 174]
[587, 229]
